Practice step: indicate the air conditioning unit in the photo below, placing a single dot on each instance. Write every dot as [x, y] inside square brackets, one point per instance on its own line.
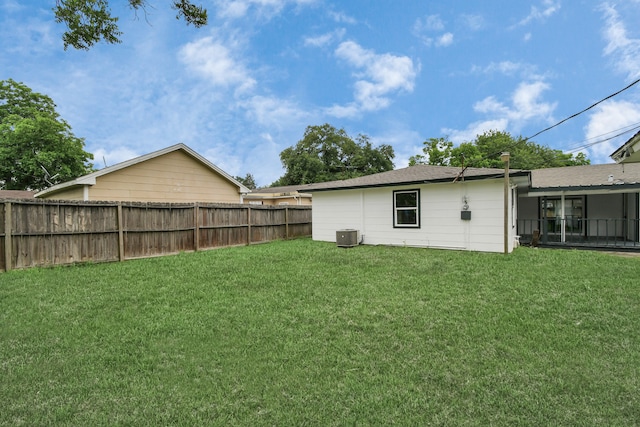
[347, 238]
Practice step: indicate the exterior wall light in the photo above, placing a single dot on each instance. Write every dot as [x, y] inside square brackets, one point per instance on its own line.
[465, 203]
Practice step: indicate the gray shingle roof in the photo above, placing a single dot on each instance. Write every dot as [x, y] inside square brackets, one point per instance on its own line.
[409, 175]
[586, 176]
[578, 177]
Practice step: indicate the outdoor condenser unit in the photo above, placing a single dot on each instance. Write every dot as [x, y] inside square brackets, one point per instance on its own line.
[347, 238]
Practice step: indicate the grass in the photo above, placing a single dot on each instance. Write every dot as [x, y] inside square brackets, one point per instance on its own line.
[304, 333]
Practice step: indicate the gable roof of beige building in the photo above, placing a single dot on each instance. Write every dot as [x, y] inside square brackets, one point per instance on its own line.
[173, 174]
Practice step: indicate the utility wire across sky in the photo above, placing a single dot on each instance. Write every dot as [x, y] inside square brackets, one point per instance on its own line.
[561, 122]
[586, 109]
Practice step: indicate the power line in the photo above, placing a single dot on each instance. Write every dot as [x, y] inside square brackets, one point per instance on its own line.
[627, 127]
[591, 144]
[577, 114]
[461, 173]
[586, 109]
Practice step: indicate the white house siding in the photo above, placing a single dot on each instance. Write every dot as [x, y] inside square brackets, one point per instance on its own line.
[336, 210]
[371, 212]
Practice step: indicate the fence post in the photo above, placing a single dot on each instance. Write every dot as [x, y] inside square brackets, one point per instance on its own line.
[7, 237]
[196, 226]
[120, 233]
[248, 225]
[286, 222]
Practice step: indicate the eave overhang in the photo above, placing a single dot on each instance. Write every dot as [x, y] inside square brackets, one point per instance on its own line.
[514, 174]
[582, 190]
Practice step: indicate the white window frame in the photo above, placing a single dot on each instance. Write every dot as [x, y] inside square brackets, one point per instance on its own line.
[397, 209]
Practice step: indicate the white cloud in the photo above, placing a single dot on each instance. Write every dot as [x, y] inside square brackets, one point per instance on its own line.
[343, 111]
[423, 27]
[34, 34]
[11, 6]
[607, 117]
[379, 75]
[474, 129]
[429, 23]
[249, 135]
[525, 106]
[342, 18]
[275, 113]
[325, 39]
[444, 40]
[491, 105]
[253, 142]
[225, 156]
[549, 7]
[234, 9]
[624, 51]
[511, 69]
[473, 22]
[526, 100]
[504, 67]
[399, 136]
[264, 172]
[215, 62]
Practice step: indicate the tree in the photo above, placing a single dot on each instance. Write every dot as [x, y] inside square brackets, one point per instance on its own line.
[485, 152]
[37, 147]
[326, 154]
[89, 21]
[248, 181]
[437, 152]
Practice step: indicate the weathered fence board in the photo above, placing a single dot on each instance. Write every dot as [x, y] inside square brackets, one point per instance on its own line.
[46, 233]
[218, 237]
[4, 227]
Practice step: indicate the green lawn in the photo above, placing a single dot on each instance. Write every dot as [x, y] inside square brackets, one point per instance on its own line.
[305, 333]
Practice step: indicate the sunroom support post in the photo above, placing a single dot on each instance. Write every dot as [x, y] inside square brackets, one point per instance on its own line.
[505, 158]
[636, 232]
[563, 220]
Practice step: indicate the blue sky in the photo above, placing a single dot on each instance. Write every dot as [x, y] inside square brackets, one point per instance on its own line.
[245, 87]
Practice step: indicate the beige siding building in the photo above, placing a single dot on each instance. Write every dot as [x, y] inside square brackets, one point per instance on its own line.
[279, 196]
[173, 174]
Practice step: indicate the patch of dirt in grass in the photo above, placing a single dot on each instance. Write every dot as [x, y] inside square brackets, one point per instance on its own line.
[626, 254]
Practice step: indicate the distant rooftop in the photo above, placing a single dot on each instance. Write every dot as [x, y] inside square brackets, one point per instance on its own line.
[16, 194]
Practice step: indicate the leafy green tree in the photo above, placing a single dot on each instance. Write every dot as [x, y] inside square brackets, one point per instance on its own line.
[485, 152]
[89, 21]
[326, 154]
[437, 151]
[248, 181]
[37, 147]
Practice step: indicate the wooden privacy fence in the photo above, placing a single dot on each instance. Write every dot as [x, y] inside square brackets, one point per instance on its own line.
[45, 233]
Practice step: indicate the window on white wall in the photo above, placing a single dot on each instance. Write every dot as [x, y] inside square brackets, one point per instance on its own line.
[406, 209]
